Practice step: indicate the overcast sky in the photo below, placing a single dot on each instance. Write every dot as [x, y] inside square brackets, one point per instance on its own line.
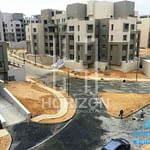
[32, 7]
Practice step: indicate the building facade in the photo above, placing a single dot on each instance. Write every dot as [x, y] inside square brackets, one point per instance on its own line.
[89, 33]
[144, 26]
[3, 62]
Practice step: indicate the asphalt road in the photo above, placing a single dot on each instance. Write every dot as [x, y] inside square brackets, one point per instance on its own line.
[91, 127]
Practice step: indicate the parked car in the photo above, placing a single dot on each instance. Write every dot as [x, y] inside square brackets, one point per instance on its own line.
[117, 144]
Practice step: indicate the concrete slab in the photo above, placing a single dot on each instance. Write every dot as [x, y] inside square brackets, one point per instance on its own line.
[10, 113]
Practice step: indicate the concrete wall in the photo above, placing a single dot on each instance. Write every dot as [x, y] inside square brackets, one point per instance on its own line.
[100, 9]
[77, 66]
[42, 59]
[18, 45]
[76, 10]
[146, 67]
[18, 73]
[126, 67]
[9, 97]
[124, 9]
[101, 65]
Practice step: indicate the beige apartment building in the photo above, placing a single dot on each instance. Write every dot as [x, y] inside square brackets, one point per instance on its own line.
[102, 33]
[144, 26]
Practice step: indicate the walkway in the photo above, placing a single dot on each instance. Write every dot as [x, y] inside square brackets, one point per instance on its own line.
[10, 113]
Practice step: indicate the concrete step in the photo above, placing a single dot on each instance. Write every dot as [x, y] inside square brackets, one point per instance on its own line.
[10, 112]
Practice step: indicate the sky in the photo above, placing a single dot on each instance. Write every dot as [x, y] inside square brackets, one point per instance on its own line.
[32, 7]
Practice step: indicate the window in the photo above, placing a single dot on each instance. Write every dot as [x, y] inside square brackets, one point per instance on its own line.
[90, 47]
[34, 29]
[45, 21]
[1, 64]
[78, 38]
[124, 37]
[132, 36]
[71, 56]
[71, 37]
[17, 25]
[125, 27]
[35, 44]
[50, 37]
[71, 28]
[124, 47]
[90, 28]
[51, 45]
[89, 57]
[46, 51]
[34, 37]
[112, 27]
[71, 47]
[111, 37]
[45, 30]
[104, 37]
[103, 46]
[78, 28]
[89, 37]
[104, 26]
[46, 44]
[45, 37]
[132, 26]
[132, 46]
[123, 57]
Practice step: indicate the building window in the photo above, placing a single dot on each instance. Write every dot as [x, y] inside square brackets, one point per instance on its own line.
[132, 36]
[46, 44]
[71, 28]
[124, 57]
[104, 26]
[90, 47]
[34, 29]
[78, 28]
[89, 57]
[71, 37]
[112, 26]
[89, 37]
[90, 28]
[132, 26]
[104, 37]
[124, 37]
[35, 44]
[125, 27]
[71, 56]
[45, 37]
[1, 64]
[34, 37]
[124, 47]
[17, 25]
[132, 46]
[45, 21]
[50, 37]
[51, 44]
[78, 38]
[46, 51]
[45, 30]
[71, 47]
[103, 46]
[111, 38]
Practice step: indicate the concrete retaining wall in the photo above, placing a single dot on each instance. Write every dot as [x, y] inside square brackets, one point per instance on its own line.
[42, 59]
[10, 98]
[146, 67]
[101, 65]
[76, 66]
[126, 67]
[3, 121]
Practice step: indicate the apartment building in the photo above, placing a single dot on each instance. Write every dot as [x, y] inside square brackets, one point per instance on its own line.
[3, 62]
[1, 28]
[144, 26]
[99, 32]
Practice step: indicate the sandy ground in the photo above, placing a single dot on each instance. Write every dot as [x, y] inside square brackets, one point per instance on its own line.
[4, 142]
[91, 74]
[146, 147]
[129, 102]
[5, 139]
[32, 97]
[144, 52]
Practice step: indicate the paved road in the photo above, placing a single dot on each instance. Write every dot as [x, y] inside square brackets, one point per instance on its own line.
[91, 128]
[10, 113]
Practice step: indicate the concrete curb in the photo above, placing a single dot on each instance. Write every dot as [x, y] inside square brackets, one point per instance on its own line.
[3, 121]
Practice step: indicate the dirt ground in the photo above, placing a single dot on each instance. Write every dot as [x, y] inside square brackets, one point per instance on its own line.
[129, 102]
[4, 142]
[32, 97]
[144, 52]
[146, 147]
[90, 73]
